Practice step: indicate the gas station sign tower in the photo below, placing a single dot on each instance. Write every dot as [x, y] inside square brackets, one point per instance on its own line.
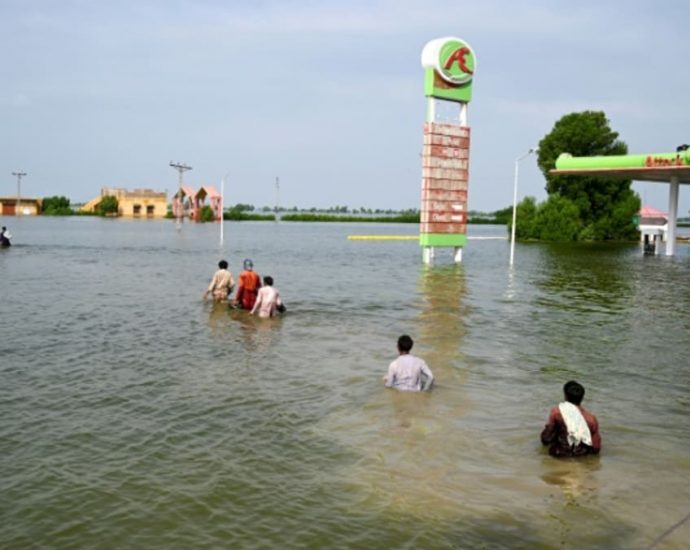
[449, 66]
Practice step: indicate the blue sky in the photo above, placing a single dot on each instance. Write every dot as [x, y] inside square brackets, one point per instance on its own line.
[327, 96]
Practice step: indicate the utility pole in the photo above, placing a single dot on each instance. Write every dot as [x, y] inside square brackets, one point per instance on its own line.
[277, 196]
[181, 168]
[17, 209]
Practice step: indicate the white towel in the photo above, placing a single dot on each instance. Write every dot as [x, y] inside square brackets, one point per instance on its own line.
[578, 430]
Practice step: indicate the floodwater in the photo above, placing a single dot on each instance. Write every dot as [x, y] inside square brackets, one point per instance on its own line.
[135, 415]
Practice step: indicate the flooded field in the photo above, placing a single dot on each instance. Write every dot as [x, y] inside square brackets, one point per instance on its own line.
[136, 415]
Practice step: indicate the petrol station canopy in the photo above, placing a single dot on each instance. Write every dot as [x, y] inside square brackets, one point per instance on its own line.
[659, 167]
[671, 168]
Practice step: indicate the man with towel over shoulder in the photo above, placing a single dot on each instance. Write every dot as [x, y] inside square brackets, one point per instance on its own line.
[571, 430]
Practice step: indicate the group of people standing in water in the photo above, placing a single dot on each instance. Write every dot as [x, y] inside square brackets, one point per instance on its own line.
[570, 431]
[251, 294]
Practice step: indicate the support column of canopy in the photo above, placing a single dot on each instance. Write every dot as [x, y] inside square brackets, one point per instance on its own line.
[672, 216]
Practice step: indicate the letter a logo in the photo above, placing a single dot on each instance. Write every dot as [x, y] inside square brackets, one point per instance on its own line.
[458, 56]
[456, 62]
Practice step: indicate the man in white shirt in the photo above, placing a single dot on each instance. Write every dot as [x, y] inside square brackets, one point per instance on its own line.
[268, 300]
[408, 372]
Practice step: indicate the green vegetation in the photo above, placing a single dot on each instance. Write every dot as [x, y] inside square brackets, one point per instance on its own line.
[243, 207]
[248, 212]
[580, 208]
[499, 217]
[243, 217]
[206, 214]
[407, 217]
[60, 206]
[108, 206]
[57, 206]
[245, 212]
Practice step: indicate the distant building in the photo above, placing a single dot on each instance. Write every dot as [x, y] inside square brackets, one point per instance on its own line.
[214, 201]
[187, 203]
[27, 206]
[137, 203]
[653, 226]
[184, 203]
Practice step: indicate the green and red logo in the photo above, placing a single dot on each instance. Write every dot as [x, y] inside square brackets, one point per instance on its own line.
[456, 62]
[452, 58]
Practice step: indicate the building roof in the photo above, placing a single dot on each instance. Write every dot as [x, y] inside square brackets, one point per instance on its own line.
[650, 212]
[210, 191]
[187, 191]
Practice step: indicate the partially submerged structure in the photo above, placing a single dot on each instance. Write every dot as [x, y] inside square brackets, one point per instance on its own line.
[653, 226]
[24, 206]
[187, 203]
[449, 66]
[671, 168]
[183, 202]
[137, 203]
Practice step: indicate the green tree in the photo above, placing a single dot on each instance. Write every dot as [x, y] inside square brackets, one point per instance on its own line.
[526, 219]
[108, 206]
[56, 206]
[243, 207]
[206, 214]
[606, 206]
[504, 216]
[558, 219]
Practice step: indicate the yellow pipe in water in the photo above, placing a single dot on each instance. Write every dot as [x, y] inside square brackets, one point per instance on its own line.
[411, 238]
[383, 237]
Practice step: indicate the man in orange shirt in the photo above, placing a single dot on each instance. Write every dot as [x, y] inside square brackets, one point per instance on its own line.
[248, 285]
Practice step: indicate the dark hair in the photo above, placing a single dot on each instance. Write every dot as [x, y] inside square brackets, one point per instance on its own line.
[223, 264]
[405, 343]
[268, 280]
[573, 392]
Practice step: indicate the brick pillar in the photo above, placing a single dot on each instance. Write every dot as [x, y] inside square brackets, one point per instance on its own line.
[445, 169]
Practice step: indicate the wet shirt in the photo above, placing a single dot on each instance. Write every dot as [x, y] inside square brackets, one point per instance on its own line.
[247, 285]
[267, 300]
[555, 435]
[222, 282]
[405, 373]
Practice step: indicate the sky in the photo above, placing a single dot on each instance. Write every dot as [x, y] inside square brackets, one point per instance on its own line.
[326, 96]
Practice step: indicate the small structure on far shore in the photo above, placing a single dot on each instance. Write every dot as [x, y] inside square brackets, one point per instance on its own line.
[137, 203]
[187, 203]
[653, 226]
[183, 203]
[10, 206]
[214, 201]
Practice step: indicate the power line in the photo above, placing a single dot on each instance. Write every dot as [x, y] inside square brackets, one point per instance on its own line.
[17, 209]
[181, 169]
